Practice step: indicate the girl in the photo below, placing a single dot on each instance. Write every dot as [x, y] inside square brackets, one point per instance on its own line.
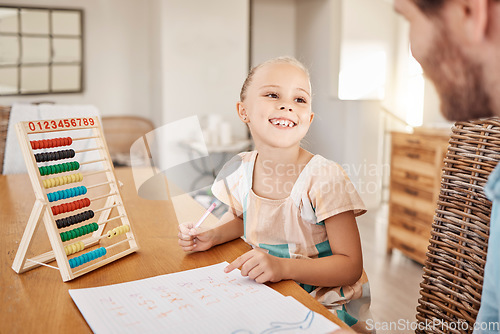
[296, 209]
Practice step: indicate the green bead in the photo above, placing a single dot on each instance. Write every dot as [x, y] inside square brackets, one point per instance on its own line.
[63, 238]
[73, 234]
[52, 170]
[58, 169]
[77, 165]
[96, 227]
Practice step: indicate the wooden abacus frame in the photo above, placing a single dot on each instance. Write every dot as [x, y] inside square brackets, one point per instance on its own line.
[41, 208]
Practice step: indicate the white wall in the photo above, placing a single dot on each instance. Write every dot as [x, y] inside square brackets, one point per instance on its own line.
[116, 58]
[348, 132]
[204, 58]
[273, 29]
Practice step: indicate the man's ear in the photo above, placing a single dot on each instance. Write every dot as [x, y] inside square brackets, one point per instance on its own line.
[469, 18]
[242, 114]
[478, 23]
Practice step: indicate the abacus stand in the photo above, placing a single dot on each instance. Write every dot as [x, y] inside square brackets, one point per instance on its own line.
[42, 211]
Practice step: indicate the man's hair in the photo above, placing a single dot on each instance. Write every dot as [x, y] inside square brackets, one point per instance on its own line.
[432, 6]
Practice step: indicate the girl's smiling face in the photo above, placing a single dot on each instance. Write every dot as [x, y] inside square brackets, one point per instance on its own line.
[277, 106]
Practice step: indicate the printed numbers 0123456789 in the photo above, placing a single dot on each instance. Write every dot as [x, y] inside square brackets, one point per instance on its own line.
[60, 124]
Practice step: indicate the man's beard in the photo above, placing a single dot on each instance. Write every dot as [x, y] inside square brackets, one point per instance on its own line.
[458, 80]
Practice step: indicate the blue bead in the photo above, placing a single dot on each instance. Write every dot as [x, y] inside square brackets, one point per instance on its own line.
[84, 190]
[71, 263]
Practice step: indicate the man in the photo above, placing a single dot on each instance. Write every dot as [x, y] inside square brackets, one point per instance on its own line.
[457, 42]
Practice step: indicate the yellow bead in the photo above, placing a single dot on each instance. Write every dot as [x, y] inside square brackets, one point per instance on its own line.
[52, 183]
[73, 178]
[80, 177]
[66, 250]
[45, 184]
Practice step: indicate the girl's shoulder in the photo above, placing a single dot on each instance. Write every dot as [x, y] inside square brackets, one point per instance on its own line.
[247, 156]
[320, 166]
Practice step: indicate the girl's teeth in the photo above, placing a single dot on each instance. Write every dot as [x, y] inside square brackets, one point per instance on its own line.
[283, 123]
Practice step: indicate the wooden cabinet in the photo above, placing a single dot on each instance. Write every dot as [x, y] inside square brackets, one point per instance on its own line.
[416, 164]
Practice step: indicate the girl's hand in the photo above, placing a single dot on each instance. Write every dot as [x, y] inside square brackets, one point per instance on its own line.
[259, 266]
[197, 240]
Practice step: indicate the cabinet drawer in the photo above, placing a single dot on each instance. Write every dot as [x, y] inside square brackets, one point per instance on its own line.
[419, 162]
[410, 214]
[409, 197]
[416, 140]
[412, 226]
[413, 179]
[413, 246]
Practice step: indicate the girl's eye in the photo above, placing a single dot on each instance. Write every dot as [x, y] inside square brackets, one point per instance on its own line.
[300, 100]
[272, 95]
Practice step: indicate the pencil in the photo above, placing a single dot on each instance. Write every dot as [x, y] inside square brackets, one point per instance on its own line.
[205, 215]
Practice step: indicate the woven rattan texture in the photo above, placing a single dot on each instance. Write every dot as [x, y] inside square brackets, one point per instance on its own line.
[453, 273]
[4, 123]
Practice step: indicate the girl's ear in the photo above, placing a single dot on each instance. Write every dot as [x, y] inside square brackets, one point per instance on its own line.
[312, 116]
[242, 114]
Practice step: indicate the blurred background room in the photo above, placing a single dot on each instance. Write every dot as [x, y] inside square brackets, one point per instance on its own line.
[145, 64]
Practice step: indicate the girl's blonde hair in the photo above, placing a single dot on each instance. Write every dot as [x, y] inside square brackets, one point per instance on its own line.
[277, 60]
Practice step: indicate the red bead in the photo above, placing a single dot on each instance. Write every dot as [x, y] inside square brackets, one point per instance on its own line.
[70, 141]
[87, 202]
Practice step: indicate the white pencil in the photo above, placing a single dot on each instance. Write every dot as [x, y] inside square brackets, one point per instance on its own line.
[205, 215]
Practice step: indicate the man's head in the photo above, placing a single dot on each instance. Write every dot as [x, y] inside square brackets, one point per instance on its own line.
[457, 43]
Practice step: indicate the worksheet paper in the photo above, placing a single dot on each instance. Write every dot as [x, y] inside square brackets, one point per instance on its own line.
[203, 300]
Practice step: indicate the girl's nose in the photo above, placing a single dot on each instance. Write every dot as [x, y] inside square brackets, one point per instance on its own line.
[283, 108]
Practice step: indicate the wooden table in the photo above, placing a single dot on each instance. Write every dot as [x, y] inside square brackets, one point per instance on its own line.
[38, 301]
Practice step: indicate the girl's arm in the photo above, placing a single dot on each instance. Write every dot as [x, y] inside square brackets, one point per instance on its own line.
[229, 227]
[344, 267]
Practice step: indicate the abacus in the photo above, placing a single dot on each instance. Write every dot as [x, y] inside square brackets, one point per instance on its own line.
[56, 206]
